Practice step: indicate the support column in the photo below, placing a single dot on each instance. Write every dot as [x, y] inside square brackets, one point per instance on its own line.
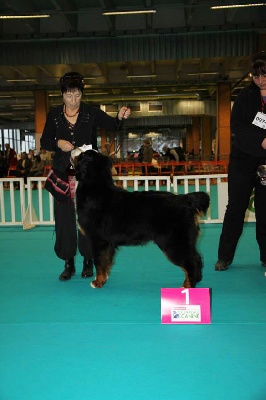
[189, 141]
[223, 135]
[206, 138]
[195, 136]
[41, 110]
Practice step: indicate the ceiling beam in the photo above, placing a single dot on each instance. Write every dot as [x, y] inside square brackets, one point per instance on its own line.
[71, 19]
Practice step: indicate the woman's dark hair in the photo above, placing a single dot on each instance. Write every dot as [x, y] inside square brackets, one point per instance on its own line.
[71, 81]
[259, 64]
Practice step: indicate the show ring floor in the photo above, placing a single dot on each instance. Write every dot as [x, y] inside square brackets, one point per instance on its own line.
[67, 341]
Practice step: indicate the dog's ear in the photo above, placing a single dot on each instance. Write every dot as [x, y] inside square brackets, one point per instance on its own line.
[199, 201]
[81, 166]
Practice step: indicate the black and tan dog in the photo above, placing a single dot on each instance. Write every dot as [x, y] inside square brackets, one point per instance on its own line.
[113, 217]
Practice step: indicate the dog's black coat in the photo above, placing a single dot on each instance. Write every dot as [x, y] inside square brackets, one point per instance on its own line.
[112, 217]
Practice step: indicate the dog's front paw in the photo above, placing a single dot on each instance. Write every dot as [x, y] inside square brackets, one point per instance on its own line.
[99, 282]
[187, 284]
[94, 285]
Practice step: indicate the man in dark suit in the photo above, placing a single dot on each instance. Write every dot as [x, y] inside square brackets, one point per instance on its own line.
[24, 166]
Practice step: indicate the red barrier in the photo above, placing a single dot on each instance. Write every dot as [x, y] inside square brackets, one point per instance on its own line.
[171, 168]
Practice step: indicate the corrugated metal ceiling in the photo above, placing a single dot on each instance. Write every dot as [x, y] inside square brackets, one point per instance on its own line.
[185, 46]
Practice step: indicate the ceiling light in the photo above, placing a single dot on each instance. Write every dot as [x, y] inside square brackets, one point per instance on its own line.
[20, 105]
[142, 76]
[96, 93]
[145, 91]
[20, 118]
[125, 12]
[24, 16]
[153, 134]
[193, 89]
[238, 6]
[203, 73]
[21, 80]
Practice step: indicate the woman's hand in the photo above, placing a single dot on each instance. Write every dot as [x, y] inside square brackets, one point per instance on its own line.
[123, 113]
[64, 145]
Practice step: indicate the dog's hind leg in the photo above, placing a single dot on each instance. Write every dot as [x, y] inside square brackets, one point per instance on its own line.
[186, 283]
[192, 267]
[103, 261]
[189, 260]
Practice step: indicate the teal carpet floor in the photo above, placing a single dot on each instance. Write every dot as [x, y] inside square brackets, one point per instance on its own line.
[67, 341]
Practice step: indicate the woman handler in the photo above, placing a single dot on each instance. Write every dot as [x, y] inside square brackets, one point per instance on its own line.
[70, 125]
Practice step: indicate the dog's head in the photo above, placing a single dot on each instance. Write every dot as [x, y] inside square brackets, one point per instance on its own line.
[261, 172]
[92, 166]
[198, 201]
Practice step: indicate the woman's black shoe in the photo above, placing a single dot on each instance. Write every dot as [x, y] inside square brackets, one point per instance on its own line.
[68, 271]
[222, 265]
[87, 271]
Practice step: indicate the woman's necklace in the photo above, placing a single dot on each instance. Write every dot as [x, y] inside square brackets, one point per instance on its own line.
[70, 116]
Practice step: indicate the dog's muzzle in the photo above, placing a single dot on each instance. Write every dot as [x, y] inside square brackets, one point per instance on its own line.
[261, 173]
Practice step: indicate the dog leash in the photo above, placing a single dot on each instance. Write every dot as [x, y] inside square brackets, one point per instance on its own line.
[78, 150]
[118, 146]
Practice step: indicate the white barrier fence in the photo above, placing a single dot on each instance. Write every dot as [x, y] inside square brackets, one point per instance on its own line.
[28, 207]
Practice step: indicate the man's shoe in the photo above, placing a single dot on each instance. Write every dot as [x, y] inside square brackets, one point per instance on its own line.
[68, 271]
[263, 264]
[87, 271]
[222, 265]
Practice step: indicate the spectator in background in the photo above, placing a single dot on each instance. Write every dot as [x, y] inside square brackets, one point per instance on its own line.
[31, 154]
[192, 154]
[37, 168]
[147, 156]
[170, 154]
[147, 152]
[2, 165]
[46, 156]
[140, 153]
[10, 156]
[24, 166]
[181, 153]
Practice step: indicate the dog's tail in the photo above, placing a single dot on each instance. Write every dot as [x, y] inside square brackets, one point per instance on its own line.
[198, 201]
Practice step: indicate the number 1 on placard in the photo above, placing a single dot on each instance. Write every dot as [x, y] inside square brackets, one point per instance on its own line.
[187, 295]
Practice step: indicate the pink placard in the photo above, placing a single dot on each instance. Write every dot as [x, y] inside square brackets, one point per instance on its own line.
[185, 306]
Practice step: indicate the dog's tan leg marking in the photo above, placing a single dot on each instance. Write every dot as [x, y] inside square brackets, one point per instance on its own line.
[186, 283]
